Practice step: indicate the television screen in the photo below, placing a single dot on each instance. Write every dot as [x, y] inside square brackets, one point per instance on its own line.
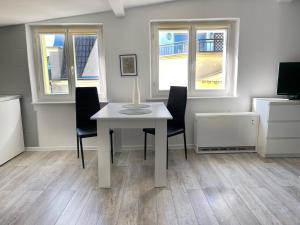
[289, 78]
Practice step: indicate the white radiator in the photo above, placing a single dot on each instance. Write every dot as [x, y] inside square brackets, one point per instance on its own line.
[225, 132]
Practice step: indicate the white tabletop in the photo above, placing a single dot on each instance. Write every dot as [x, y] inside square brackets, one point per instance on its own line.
[111, 111]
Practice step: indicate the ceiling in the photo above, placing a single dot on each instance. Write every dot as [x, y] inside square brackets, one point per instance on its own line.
[24, 11]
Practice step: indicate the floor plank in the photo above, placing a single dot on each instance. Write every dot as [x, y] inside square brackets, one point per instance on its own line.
[51, 188]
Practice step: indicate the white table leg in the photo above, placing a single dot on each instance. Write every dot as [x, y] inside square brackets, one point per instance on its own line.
[104, 166]
[117, 140]
[160, 153]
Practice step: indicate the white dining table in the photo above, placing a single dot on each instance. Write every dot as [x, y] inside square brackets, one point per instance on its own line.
[109, 117]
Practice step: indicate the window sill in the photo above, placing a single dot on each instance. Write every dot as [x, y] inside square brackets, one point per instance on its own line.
[61, 102]
[53, 103]
[194, 98]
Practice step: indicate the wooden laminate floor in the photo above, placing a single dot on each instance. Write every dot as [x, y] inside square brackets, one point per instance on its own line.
[51, 188]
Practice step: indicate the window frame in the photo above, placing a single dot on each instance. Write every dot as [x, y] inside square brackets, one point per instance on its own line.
[68, 31]
[231, 25]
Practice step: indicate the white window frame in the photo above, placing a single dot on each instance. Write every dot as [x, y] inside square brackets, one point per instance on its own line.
[231, 25]
[68, 29]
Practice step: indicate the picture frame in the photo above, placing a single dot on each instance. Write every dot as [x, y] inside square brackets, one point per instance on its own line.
[128, 65]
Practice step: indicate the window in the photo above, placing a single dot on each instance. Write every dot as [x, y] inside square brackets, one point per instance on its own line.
[68, 57]
[173, 58]
[201, 55]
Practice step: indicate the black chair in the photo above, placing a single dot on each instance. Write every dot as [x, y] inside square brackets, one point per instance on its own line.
[87, 104]
[176, 105]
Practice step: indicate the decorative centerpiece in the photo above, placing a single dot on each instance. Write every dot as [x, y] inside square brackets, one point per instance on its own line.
[136, 97]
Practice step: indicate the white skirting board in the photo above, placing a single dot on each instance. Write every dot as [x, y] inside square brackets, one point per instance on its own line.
[89, 148]
[149, 148]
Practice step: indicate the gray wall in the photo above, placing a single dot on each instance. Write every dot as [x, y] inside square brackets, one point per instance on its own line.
[14, 78]
[269, 34]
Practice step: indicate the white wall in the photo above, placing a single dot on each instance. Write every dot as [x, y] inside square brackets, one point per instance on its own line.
[269, 33]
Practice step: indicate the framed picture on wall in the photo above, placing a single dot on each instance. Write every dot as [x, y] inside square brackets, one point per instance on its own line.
[128, 65]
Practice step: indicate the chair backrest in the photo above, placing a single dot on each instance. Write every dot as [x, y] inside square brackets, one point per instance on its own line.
[87, 104]
[176, 105]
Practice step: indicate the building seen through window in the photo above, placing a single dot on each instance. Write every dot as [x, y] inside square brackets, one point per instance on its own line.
[174, 54]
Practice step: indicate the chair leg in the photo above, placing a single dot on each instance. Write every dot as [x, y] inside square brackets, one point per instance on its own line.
[111, 148]
[82, 156]
[145, 146]
[185, 150]
[77, 145]
[167, 152]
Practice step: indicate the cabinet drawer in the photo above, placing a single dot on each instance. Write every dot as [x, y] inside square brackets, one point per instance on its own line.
[284, 129]
[284, 112]
[283, 147]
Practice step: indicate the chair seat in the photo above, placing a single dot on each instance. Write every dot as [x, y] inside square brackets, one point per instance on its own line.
[87, 132]
[172, 131]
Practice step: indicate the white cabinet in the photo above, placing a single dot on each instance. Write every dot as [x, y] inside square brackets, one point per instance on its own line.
[224, 132]
[279, 129]
[11, 131]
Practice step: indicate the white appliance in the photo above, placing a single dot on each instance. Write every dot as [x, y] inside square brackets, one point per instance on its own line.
[11, 131]
[279, 129]
[225, 132]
